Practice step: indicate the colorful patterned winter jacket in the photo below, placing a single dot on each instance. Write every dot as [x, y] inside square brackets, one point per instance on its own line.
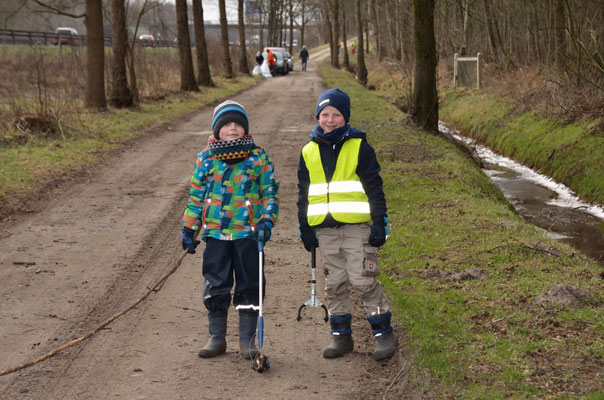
[228, 200]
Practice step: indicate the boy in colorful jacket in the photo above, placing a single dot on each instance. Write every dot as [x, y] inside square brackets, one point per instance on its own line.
[234, 202]
[340, 194]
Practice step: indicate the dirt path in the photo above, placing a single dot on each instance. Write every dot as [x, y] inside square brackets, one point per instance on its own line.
[98, 245]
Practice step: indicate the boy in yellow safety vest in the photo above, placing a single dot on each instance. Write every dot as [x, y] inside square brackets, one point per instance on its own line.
[342, 211]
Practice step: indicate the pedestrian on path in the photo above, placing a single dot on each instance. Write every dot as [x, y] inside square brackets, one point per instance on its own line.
[340, 194]
[304, 57]
[234, 202]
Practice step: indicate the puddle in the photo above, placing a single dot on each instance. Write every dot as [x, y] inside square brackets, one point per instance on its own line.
[550, 206]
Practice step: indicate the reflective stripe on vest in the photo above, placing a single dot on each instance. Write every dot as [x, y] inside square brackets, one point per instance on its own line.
[344, 197]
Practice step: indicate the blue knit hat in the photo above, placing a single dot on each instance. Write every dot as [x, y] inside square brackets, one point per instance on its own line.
[227, 112]
[335, 98]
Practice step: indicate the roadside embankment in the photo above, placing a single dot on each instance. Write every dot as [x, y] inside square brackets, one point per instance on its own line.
[570, 153]
[474, 286]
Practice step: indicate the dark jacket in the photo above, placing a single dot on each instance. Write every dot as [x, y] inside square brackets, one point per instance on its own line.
[303, 54]
[368, 171]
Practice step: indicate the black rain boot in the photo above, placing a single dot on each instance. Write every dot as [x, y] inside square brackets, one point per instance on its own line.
[217, 324]
[342, 336]
[247, 332]
[385, 341]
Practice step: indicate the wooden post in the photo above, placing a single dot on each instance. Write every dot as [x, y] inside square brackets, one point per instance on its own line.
[478, 66]
[455, 71]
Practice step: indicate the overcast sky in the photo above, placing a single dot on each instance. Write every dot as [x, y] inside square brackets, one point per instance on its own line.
[211, 13]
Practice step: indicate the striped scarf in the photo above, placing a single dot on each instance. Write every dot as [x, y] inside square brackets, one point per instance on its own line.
[232, 151]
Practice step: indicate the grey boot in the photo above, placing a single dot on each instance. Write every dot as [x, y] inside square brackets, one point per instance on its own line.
[385, 346]
[247, 332]
[217, 324]
[385, 341]
[342, 336]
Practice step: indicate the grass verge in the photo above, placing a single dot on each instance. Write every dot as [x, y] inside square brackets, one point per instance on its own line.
[87, 137]
[463, 272]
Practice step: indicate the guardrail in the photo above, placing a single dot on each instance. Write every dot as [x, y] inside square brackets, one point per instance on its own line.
[31, 38]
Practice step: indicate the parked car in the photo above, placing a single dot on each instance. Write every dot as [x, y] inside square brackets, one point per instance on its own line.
[68, 36]
[280, 67]
[146, 40]
[286, 57]
[290, 61]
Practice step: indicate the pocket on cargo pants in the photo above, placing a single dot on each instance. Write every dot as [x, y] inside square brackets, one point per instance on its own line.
[370, 260]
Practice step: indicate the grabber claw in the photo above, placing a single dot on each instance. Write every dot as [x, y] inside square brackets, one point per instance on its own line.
[313, 301]
[260, 363]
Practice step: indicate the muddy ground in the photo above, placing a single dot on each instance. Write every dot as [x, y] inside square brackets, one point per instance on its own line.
[97, 245]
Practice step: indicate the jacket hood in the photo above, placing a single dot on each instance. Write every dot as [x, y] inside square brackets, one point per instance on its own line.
[333, 137]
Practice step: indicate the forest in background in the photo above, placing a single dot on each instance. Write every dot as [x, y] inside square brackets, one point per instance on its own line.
[555, 48]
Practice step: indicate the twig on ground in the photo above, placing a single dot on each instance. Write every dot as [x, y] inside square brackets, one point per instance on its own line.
[403, 368]
[155, 288]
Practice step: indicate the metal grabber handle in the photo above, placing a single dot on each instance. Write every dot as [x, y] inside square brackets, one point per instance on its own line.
[260, 362]
[313, 302]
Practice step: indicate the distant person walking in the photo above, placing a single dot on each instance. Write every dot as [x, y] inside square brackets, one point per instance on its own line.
[304, 57]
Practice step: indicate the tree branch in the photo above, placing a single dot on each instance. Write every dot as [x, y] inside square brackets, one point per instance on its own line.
[54, 10]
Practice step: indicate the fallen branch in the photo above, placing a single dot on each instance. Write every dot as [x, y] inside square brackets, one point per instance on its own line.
[156, 288]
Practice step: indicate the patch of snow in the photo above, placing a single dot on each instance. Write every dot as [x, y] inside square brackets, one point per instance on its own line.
[566, 197]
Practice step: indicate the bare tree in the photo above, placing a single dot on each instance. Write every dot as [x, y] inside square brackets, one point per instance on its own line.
[361, 68]
[187, 75]
[120, 92]
[290, 16]
[204, 78]
[95, 55]
[425, 98]
[224, 40]
[335, 13]
[344, 25]
[95, 51]
[243, 63]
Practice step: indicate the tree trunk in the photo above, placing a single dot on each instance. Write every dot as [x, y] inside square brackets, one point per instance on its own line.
[272, 16]
[466, 27]
[243, 64]
[392, 15]
[377, 31]
[204, 77]
[344, 44]
[95, 50]
[224, 40]
[335, 11]
[302, 26]
[361, 69]
[120, 93]
[291, 27]
[425, 97]
[490, 30]
[325, 10]
[559, 34]
[187, 75]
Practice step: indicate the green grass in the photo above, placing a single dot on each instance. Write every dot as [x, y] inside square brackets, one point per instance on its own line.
[482, 339]
[570, 153]
[89, 135]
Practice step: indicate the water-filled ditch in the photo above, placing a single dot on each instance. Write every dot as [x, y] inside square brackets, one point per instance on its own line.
[550, 206]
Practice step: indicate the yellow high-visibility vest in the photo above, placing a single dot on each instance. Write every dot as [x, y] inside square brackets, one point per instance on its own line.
[343, 197]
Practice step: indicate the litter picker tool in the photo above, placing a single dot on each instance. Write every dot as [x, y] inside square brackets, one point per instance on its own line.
[260, 362]
[313, 301]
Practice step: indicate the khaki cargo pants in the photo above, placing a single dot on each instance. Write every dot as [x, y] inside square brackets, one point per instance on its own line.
[343, 251]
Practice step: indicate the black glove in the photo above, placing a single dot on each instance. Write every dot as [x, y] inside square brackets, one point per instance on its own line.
[263, 230]
[309, 239]
[188, 240]
[379, 232]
